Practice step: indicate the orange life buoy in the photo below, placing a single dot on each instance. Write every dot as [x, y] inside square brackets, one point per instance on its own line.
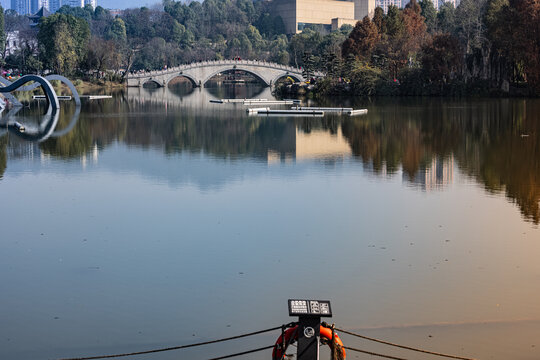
[291, 335]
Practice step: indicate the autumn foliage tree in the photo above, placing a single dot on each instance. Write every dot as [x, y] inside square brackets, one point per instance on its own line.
[441, 58]
[362, 40]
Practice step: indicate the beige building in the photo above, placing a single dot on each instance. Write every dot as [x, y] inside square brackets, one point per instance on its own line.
[331, 14]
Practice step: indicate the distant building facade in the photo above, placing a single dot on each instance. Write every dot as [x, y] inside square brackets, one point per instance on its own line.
[92, 3]
[27, 7]
[330, 14]
[36, 5]
[13, 42]
[72, 3]
[116, 12]
[438, 3]
[22, 7]
[54, 5]
[436, 175]
[384, 4]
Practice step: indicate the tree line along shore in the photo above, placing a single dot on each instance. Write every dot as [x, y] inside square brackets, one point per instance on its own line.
[482, 47]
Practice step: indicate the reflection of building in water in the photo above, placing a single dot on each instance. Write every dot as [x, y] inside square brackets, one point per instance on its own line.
[18, 149]
[317, 144]
[436, 175]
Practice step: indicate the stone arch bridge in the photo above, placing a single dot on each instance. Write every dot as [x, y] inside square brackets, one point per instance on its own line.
[199, 73]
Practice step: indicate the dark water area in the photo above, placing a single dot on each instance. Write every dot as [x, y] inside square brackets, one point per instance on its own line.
[157, 218]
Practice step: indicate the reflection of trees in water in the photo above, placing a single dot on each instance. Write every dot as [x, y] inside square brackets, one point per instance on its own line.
[3, 155]
[507, 154]
[330, 123]
[219, 136]
[71, 145]
[485, 138]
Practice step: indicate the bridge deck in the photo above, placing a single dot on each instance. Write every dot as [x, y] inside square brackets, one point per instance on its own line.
[214, 63]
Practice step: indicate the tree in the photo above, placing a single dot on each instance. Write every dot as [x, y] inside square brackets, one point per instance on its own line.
[103, 55]
[471, 30]
[13, 22]
[309, 65]
[393, 22]
[117, 31]
[306, 41]
[446, 17]
[378, 19]
[362, 39]
[470, 26]
[85, 13]
[526, 26]
[24, 58]
[414, 27]
[514, 29]
[430, 14]
[441, 58]
[63, 40]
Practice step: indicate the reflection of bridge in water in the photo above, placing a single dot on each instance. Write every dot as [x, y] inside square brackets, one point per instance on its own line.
[199, 73]
[274, 139]
[198, 98]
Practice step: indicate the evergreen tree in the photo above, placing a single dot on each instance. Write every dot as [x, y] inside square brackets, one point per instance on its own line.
[446, 18]
[378, 19]
[430, 14]
[393, 22]
[63, 41]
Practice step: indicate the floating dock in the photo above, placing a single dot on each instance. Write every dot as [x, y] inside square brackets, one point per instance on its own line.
[268, 111]
[256, 101]
[348, 111]
[89, 97]
[271, 102]
[96, 97]
[43, 97]
[236, 101]
[358, 112]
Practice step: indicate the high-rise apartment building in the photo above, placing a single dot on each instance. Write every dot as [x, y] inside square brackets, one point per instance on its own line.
[72, 3]
[384, 4]
[93, 3]
[35, 5]
[54, 5]
[22, 7]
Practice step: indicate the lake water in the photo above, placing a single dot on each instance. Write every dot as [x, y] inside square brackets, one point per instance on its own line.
[159, 219]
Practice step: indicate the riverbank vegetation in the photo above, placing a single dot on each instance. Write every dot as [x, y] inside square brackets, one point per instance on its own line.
[481, 47]
[486, 47]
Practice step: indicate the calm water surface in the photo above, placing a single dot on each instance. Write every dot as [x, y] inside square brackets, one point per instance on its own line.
[160, 219]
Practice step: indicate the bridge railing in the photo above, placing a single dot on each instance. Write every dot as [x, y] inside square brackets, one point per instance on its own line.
[213, 63]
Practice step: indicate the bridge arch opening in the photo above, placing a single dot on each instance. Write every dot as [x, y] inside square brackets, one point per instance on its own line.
[287, 77]
[181, 86]
[180, 80]
[151, 84]
[234, 76]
